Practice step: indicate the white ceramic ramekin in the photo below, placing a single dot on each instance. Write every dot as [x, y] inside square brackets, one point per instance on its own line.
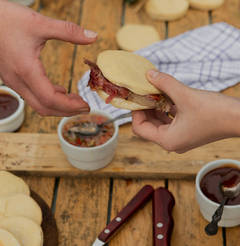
[231, 214]
[24, 2]
[91, 158]
[14, 121]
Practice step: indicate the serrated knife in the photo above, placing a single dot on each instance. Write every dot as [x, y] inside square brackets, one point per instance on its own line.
[138, 201]
[163, 203]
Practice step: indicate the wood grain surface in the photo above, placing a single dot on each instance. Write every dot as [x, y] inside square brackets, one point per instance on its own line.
[81, 210]
[84, 205]
[138, 231]
[40, 154]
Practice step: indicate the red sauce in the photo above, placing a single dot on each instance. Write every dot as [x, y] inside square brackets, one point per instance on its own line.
[229, 175]
[8, 105]
[90, 141]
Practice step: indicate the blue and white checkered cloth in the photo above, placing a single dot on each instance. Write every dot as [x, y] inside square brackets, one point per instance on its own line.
[205, 58]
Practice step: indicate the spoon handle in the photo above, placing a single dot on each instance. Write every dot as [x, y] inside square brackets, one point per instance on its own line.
[212, 228]
[117, 118]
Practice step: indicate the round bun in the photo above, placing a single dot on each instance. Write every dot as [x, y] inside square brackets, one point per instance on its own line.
[206, 4]
[126, 69]
[26, 231]
[165, 10]
[20, 205]
[121, 103]
[132, 37]
[10, 184]
[7, 239]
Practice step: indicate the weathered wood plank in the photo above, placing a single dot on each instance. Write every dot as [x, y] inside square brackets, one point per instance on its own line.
[232, 236]
[142, 18]
[40, 154]
[36, 5]
[229, 13]
[192, 20]
[103, 17]
[81, 210]
[44, 187]
[138, 231]
[188, 222]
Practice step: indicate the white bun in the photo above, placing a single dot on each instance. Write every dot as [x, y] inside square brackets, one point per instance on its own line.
[121, 103]
[7, 239]
[206, 4]
[132, 37]
[128, 70]
[26, 231]
[9, 184]
[20, 205]
[167, 10]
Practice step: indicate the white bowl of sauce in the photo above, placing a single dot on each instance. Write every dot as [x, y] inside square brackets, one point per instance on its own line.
[208, 193]
[11, 110]
[89, 153]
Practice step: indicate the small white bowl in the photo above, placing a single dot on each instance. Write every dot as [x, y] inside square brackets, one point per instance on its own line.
[231, 213]
[14, 121]
[92, 158]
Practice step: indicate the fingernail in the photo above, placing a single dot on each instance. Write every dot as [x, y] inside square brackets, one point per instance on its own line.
[84, 110]
[152, 73]
[90, 34]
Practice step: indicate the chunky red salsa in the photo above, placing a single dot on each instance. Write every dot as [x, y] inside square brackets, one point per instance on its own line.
[88, 141]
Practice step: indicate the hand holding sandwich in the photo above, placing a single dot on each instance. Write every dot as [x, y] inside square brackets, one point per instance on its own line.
[200, 117]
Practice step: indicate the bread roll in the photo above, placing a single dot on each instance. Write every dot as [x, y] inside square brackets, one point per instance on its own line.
[167, 10]
[26, 231]
[132, 37]
[11, 184]
[20, 205]
[7, 239]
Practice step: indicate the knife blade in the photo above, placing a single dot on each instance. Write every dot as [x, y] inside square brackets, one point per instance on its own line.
[137, 202]
[163, 203]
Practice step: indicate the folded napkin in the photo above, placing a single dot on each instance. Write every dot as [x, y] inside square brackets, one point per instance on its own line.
[205, 58]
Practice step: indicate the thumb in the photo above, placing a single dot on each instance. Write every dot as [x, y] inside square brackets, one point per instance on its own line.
[66, 31]
[167, 84]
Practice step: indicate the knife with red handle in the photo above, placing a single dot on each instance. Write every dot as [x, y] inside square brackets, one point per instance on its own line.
[138, 201]
[163, 203]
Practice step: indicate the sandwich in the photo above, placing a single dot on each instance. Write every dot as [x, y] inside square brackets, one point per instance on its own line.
[119, 78]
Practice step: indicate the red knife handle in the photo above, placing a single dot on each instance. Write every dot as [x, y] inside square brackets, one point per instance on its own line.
[163, 203]
[138, 201]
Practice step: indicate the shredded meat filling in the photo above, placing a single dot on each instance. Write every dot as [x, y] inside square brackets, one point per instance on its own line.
[98, 82]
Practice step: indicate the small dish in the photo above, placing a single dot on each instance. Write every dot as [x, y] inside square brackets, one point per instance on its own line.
[89, 158]
[15, 120]
[231, 213]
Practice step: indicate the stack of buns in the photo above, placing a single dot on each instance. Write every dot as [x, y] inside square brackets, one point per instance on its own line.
[20, 215]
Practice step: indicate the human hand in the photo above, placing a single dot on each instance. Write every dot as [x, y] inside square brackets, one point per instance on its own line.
[200, 117]
[24, 33]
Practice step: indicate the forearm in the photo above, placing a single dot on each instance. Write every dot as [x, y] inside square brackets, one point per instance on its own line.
[232, 116]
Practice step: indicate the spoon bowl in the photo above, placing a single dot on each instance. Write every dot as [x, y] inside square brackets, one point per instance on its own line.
[91, 128]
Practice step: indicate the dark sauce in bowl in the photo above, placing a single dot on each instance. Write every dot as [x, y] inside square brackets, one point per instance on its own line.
[211, 181]
[8, 104]
[88, 141]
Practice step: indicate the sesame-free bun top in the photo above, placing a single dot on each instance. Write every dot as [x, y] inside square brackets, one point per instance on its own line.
[26, 231]
[126, 69]
[7, 239]
[20, 205]
[9, 183]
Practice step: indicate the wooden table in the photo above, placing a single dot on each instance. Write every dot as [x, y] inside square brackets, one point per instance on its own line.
[83, 202]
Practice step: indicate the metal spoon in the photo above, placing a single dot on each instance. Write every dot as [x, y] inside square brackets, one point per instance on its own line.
[227, 192]
[91, 128]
